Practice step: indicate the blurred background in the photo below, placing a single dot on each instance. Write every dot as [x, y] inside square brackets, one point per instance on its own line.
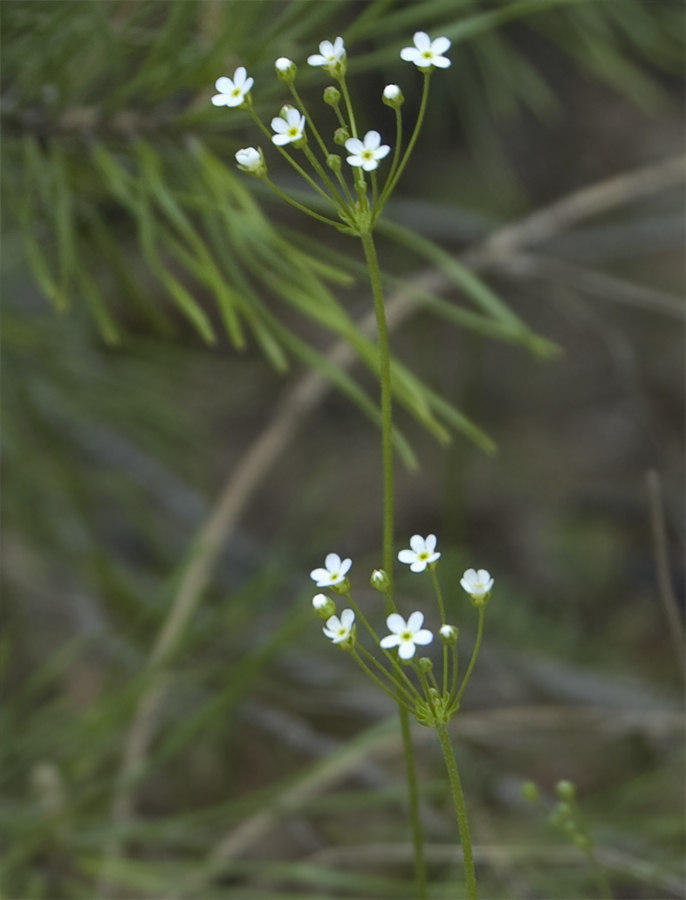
[180, 451]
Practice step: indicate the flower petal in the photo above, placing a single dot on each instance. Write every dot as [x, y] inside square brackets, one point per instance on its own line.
[279, 125]
[422, 41]
[441, 62]
[355, 160]
[280, 140]
[372, 139]
[224, 84]
[391, 640]
[249, 82]
[484, 576]
[234, 101]
[345, 566]
[369, 165]
[407, 556]
[423, 637]
[354, 145]
[430, 543]
[239, 76]
[396, 623]
[406, 650]
[410, 54]
[417, 543]
[293, 116]
[319, 575]
[332, 562]
[418, 566]
[326, 48]
[338, 46]
[383, 150]
[316, 60]
[415, 622]
[440, 45]
[220, 100]
[470, 575]
[347, 618]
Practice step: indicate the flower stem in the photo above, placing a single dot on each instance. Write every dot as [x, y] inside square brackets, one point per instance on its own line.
[460, 810]
[391, 183]
[386, 402]
[365, 668]
[413, 791]
[601, 876]
[475, 653]
[441, 607]
[349, 107]
[299, 206]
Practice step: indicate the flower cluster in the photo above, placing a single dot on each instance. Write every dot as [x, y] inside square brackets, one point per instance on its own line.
[431, 705]
[364, 152]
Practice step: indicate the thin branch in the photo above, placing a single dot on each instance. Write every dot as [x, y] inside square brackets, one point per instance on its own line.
[297, 404]
[658, 526]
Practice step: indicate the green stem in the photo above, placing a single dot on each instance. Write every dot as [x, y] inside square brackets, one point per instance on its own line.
[365, 668]
[319, 169]
[475, 653]
[453, 686]
[313, 128]
[413, 791]
[290, 159]
[349, 107]
[439, 595]
[391, 183]
[396, 152]
[386, 402]
[299, 206]
[460, 810]
[601, 876]
[409, 696]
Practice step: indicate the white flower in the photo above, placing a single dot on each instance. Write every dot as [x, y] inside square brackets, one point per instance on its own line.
[422, 552]
[251, 160]
[339, 629]
[329, 54]
[283, 63]
[406, 634]
[232, 92]
[368, 153]
[334, 573]
[477, 584]
[286, 69]
[391, 92]
[448, 634]
[289, 129]
[319, 601]
[427, 53]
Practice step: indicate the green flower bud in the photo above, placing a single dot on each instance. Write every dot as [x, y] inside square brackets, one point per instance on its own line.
[448, 635]
[393, 96]
[333, 161]
[332, 95]
[379, 580]
[323, 606]
[565, 790]
[286, 69]
[284, 110]
[340, 136]
[530, 791]
[426, 665]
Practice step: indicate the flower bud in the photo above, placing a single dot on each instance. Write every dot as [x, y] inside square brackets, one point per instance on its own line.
[425, 664]
[565, 790]
[393, 96]
[380, 580]
[251, 160]
[530, 791]
[286, 69]
[332, 95]
[284, 110]
[333, 161]
[323, 606]
[340, 136]
[448, 635]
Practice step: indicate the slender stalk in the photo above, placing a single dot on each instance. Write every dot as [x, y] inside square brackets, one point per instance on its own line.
[387, 455]
[413, 791]
[365, 668]
[396, 152]
[299, 205]
[313, 127]
[441, 607]
[460, 810]
[412, 697]
[475, 653]
[299, 169]
[453, 686]
[349, 107]
[601, 876]
[319, 169]
[386, 402]
[391, 183]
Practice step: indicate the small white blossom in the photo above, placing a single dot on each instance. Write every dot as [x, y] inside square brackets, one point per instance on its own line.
[289, 129]
[367, 153]
[405, 635]
[477, 584]
[329, 54]
[448, 634]
[283, 63]
[422, 554]
[232, 92]
[251, 160]
[339, 629]
[427, 53]
[286, 69]
[391, 92]
[319, 601]
[334, 573]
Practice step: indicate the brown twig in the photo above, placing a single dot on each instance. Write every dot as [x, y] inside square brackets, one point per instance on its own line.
[657, 524]
[297, 404]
